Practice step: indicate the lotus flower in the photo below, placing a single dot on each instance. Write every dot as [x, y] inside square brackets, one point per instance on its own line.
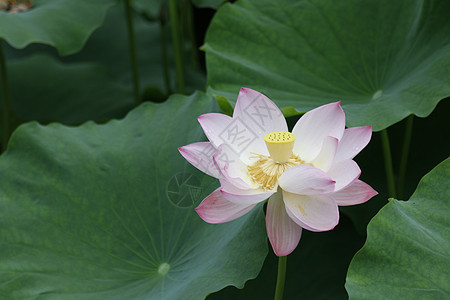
[305, 174]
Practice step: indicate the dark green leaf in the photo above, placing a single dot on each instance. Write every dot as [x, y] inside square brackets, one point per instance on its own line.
[224, 105]
[45, 90]
[63, 24]
[106, 212]
[407, 253]
[383, 59]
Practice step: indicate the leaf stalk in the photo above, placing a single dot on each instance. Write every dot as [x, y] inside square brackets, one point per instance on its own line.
[404, 157]
[281, 277]
[133, 52]
[176, 40]
[388, 163]
[6, 108]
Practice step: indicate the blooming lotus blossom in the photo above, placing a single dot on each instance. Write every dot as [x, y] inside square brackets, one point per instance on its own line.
[305, 174]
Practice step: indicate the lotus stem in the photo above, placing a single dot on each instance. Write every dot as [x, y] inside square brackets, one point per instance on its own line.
[281, 277]
[404, 157]
[190, 31]
[388, 163]
[133, 52]
[176, 39]
[5, 100]
[164, 51]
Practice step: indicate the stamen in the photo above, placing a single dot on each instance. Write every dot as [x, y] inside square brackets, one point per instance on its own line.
[265, 172]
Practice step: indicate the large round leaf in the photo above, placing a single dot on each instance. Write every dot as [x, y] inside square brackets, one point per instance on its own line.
[63, 24]
[384, 59]
[44, 90]
[106, 212]
[407, 253]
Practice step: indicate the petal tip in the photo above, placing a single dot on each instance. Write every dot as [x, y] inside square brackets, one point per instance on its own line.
[372, 193]
[200, 212]
[245, 90]
[183, 152]
[336, 104]
[367, 130]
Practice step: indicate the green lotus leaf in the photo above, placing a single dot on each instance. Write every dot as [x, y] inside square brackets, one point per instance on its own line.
[106, 212]
[63, 24]
[383, 59]
[407, 252]
[44, 89]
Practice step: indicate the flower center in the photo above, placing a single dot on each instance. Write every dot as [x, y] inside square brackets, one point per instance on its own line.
[267, 169]
[280, 145]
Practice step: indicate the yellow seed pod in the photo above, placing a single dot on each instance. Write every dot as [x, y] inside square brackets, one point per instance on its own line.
[280, 145]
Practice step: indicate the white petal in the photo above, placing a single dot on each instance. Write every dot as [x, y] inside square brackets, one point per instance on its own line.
[254, 116]
[306, 180]
[344, 172]
[315, 213]
[200, 155]
[326, 156]
[356, 193]
[231, 167]
[353, 141]
[314, 126]
[243, 196]
[214, 125]
[259, 112]
[216, 209]
[284, 234]
[241, 138]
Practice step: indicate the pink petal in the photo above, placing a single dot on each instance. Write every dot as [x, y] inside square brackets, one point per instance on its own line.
[353, 141]
[254, 116]
[243, 196]
[200, 155]
[214, 126]
[258, 112]
[356, 193]
[326, 156]
[231, 167]
[315, 213]
[284, 234]
[240, 138]
[344, 172]
[216, 209]
[306, 180]
[314, 126]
